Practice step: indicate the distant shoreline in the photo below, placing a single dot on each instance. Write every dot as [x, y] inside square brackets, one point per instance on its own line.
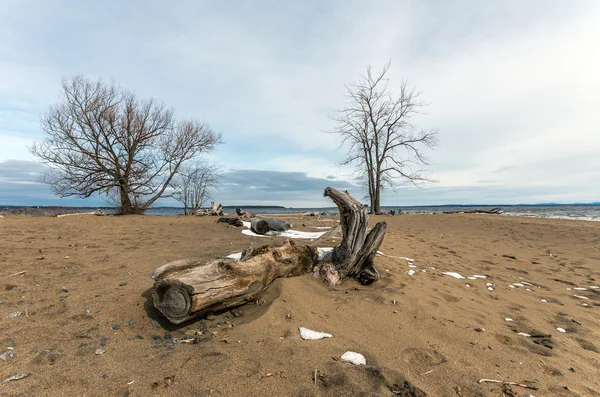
[587, 212]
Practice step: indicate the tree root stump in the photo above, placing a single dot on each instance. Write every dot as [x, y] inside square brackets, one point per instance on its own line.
[187, 289]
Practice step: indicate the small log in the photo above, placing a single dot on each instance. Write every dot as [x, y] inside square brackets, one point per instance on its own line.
[259, 226]
[186, 289]
[231, 221]
[263, 226]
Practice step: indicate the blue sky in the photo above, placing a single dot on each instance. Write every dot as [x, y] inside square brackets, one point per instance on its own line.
[513, 88]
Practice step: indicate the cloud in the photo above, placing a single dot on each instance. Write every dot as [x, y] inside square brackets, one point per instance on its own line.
[513, 85]
[294, 189]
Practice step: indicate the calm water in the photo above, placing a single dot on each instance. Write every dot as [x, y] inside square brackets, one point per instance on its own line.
[582, 212]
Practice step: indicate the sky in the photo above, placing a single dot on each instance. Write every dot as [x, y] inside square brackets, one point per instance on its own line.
[512, 87]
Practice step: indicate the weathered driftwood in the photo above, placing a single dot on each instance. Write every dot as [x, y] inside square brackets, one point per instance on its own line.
[353, 257]
[317, 214]
[263, 226]
[186, 289]
[231, 221]
[493, 211]
[214, 210]
[98, 212]
[245, 215]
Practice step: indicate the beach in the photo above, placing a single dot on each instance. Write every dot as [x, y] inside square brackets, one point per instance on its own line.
[519, 303]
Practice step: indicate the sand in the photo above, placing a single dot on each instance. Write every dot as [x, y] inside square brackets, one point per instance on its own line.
[86, 286]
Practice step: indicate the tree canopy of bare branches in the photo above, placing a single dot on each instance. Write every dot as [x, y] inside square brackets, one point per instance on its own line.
[376, 127]
[102, 139]
[193, 185]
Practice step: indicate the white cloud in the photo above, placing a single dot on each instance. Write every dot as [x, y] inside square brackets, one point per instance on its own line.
[513, 85]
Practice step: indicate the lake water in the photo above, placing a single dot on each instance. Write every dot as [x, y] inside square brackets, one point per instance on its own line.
[588, 212]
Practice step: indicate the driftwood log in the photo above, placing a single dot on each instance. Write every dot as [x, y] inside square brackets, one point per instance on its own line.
[493, 211]
[189, 288]
[214, 210]
[263, 226]
[231, 221]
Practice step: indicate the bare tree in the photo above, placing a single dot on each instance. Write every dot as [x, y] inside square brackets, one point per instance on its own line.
[382, 142]
[102, 139]
[193, 185]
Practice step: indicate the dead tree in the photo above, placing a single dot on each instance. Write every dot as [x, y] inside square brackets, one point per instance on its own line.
[377, 129]
[102, 138]
[189, 288]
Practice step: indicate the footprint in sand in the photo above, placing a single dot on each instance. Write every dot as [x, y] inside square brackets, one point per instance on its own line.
[422, 358]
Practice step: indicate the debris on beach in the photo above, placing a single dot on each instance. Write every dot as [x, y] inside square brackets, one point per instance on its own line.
[559, 329]
[14, 314]
[309, 334]
[16, 377]
[504, 382]
[354, 358]
[508, 319]
[99, 352]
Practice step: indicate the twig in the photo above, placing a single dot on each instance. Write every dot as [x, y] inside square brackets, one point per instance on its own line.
[507, 383]
[544, 372]
[427, 372]
[315, 376]
[186, 361]
[26, 312]
[19, 273]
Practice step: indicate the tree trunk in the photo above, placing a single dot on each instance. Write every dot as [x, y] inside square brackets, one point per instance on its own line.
[186, 289]
[126, 206]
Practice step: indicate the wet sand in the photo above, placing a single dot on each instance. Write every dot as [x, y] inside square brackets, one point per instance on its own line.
[85, 286]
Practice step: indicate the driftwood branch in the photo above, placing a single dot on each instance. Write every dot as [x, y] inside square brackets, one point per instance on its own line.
[188, 288]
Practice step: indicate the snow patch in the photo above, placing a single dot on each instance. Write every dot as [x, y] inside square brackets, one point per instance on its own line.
[237, 256]
[309, 334]
[453, 274]
[354, 358]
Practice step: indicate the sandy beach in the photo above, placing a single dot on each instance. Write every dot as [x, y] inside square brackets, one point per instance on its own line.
[87, 326]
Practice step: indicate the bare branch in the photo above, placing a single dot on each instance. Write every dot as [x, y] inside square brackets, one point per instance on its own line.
[376, 129]
[100, 138]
